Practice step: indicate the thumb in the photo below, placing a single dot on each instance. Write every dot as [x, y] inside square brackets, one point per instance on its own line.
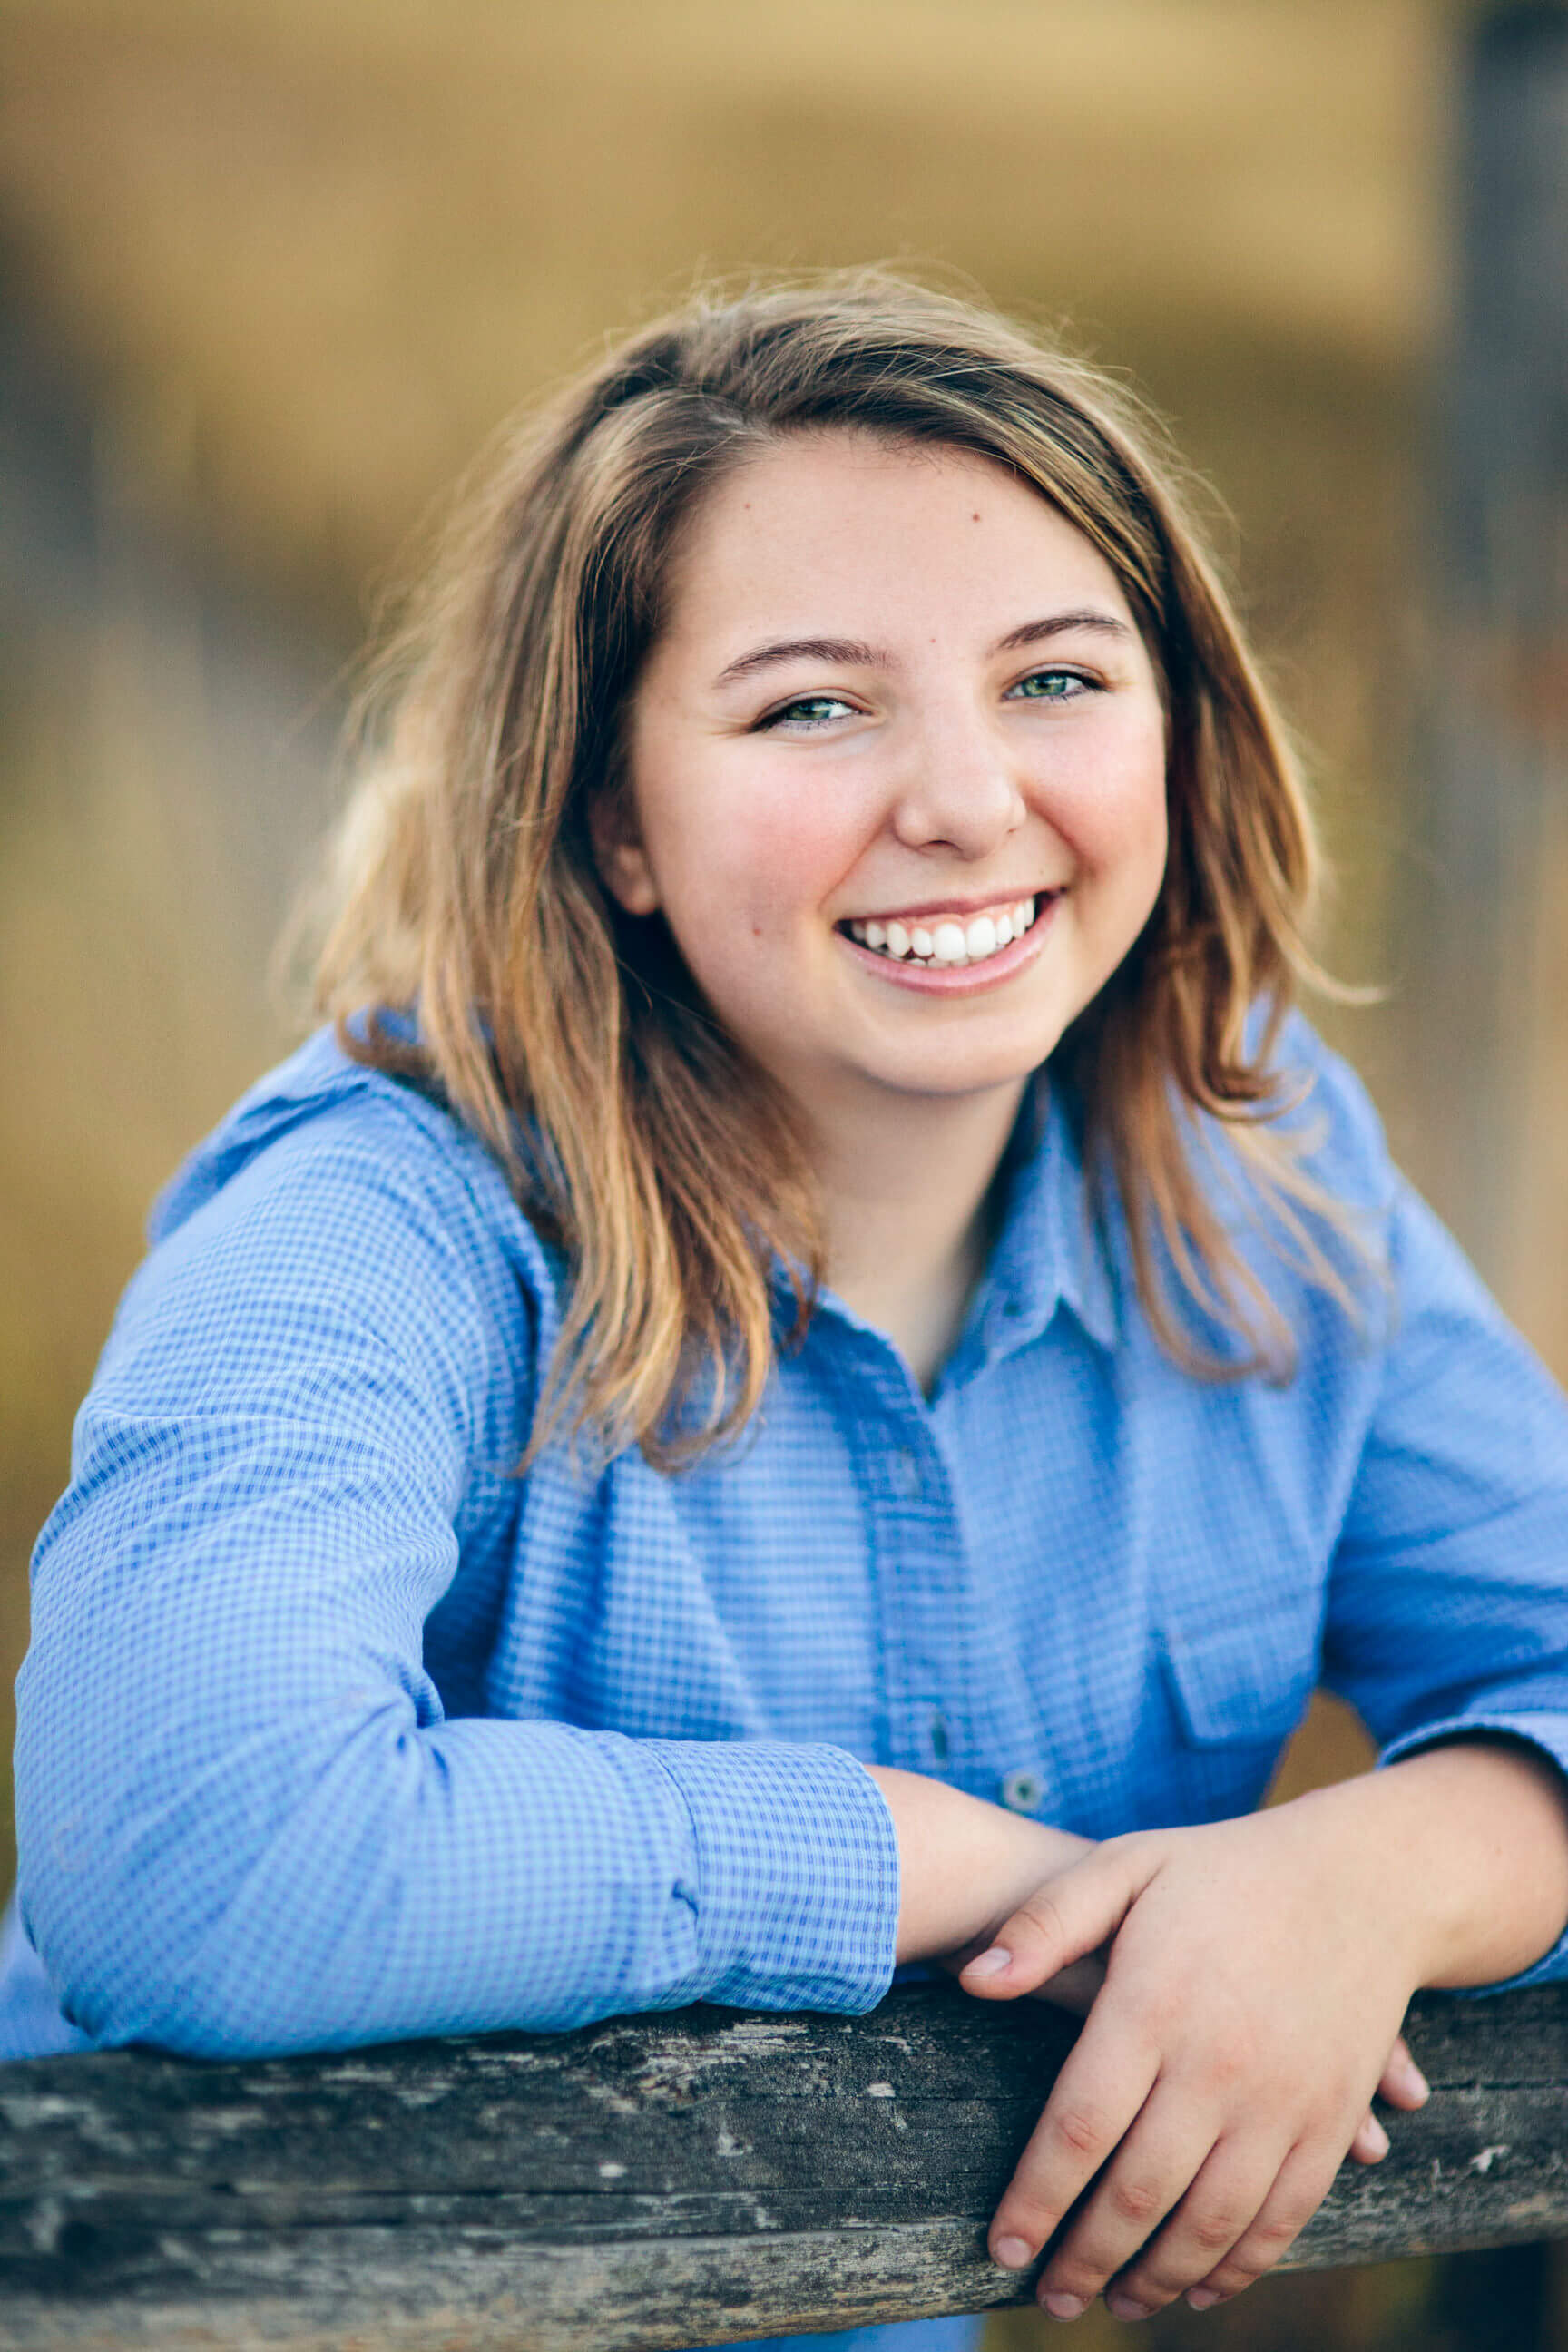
[1064, 1919]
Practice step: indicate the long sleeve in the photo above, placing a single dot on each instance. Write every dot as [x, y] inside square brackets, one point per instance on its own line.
[1448, 1600]
[245, 1823]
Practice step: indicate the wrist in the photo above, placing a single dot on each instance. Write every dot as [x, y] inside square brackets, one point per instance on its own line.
[964, 1865]
[1466, 1847]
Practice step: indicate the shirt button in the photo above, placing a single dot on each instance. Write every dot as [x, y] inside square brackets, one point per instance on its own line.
[907, 1473]
[1022, 1791]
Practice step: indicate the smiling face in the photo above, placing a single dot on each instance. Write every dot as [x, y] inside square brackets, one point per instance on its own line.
[897, 771]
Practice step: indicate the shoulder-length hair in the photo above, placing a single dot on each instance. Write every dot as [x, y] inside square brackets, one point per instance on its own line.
[635, 1134]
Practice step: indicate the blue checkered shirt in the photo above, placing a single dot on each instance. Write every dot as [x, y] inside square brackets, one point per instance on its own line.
[334, 1729]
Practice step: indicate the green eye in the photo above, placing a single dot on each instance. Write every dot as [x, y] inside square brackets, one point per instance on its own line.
[806, 710]
[1050, 685]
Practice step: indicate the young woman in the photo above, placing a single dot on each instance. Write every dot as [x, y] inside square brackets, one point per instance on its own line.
[813, 1091]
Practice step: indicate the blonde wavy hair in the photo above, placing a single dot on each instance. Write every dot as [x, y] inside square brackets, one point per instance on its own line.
[635, 1134]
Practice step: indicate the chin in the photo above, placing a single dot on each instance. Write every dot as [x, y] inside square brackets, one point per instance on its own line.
[951, 1078]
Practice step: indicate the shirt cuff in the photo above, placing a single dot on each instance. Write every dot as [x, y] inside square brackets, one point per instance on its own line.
[1547, 1734]
[798, 1873]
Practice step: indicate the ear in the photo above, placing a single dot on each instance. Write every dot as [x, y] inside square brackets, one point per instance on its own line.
[618, 851]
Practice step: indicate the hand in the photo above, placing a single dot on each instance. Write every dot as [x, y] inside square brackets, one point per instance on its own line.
[964, 1865]
[1401, 2085]
[1254, 1985]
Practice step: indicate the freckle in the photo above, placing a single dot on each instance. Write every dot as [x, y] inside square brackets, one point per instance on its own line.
[975, 518]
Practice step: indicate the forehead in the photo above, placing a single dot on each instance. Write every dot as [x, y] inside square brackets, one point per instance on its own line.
[817, 525]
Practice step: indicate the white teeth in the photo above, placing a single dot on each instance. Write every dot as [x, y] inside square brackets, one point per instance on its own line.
[948, 945]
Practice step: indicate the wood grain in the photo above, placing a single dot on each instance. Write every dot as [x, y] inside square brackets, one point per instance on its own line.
[659, 2181]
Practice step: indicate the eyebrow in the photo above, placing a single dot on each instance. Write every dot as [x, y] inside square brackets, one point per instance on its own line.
[1055, 625]
[853, 652]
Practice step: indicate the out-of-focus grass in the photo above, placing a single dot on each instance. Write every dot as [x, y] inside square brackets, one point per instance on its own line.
[133, 1002]
[348, 235]
[307, 252]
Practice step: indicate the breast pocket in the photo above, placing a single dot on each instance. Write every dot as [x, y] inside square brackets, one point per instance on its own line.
[1236, 1692]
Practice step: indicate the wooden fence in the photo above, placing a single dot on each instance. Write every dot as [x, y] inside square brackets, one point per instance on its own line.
[663, 2180]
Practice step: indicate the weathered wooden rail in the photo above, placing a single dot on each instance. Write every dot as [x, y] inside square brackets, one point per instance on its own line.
[664, 2180]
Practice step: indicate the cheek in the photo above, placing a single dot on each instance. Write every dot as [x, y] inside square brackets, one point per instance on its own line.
[773, 862]
[1114, 814]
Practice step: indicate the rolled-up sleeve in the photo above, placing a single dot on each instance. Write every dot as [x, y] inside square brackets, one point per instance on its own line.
[1449, 1602]
[246, 1824]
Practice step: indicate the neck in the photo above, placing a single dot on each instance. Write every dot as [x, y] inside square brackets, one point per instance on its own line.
[906, 1195]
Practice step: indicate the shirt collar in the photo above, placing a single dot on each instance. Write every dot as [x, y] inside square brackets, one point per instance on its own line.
[1049, 1250]
[1048, 1253]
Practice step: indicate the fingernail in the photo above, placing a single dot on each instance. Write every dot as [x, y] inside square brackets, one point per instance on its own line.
[1203, 2298]
[989, 1964]
[1013, 2253]
[1415, 2084]
[1122, 2306]
[1063, 2307]
[1374, 2136]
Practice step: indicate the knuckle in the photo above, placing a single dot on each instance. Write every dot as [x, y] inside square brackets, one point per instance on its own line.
[1278, 2231]
[1024, 2216]
[1270, 2235]
[1043, 1913]
[1139, 2200]
[1236, 2062]
[1215, 2230]
[1082, 2129]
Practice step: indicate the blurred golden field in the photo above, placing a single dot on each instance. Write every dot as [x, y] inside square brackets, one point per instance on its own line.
[271, 273]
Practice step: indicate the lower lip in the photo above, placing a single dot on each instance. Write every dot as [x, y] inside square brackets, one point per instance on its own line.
[959, 979]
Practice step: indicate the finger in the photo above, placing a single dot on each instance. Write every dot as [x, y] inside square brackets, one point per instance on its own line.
[1225, 2199]
[1302, 2183]
[1147, 2177]
[1063, 1921]
[1370, 2145]
[1403, 2085]
[1093, 2102]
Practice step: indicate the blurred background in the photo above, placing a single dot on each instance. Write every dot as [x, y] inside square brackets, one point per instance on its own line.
[271, 270]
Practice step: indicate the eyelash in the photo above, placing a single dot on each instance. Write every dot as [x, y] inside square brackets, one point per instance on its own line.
[781, 717]
[1073, 677]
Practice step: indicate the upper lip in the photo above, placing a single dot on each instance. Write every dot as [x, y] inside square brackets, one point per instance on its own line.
[930, 909]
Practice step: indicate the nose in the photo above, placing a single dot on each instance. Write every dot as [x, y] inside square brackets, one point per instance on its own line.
[959, 793]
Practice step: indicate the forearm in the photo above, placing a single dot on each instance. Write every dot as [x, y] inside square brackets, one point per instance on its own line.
[1467, 1847]
[963, 1864]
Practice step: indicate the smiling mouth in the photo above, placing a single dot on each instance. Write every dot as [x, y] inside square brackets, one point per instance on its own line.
[942, 943]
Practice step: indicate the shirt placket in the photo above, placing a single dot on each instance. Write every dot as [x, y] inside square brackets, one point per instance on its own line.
[919, 1570]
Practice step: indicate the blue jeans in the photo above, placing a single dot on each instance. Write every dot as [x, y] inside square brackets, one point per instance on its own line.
[960, 2335]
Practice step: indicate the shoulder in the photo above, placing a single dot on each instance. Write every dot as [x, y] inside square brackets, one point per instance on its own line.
[1413, 1285]
[1331, 1120]
[334, 1201]
[1303, 1194]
